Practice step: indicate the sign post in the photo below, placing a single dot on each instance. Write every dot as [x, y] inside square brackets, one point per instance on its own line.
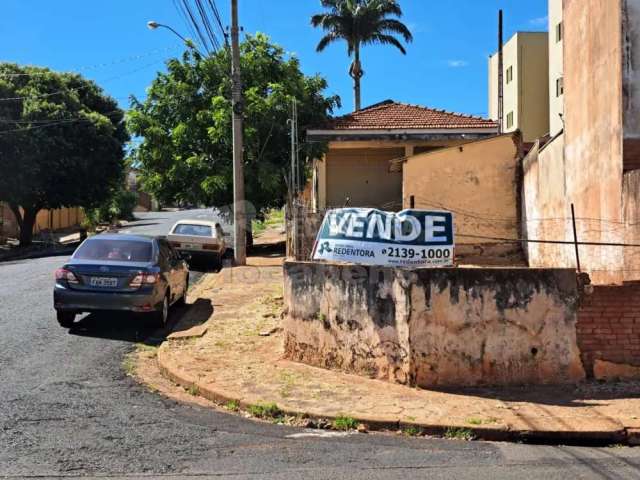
[410, 238]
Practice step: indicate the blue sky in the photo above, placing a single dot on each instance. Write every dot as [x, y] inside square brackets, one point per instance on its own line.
[108, 41]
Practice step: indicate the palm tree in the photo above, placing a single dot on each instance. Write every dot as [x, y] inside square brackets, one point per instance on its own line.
[360, 22]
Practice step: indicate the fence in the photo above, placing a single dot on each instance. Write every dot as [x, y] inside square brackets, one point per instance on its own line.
[46, 220]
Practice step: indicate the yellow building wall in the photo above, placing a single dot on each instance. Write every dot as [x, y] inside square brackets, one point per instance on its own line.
[477, 181]
[526, 96]
[361, 171]
[363, 176]
[556, 68]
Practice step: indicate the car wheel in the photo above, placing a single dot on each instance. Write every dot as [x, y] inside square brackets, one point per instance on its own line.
[65, 319]
[183, 299]
[161, 317]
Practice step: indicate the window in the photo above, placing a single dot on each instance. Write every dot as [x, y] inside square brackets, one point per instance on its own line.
[114, 250]
[509, 119]
[193, 230]
[559, 32]
[559, 86]
[510, 74]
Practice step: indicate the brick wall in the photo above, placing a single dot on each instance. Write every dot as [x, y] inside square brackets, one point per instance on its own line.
[609, 326]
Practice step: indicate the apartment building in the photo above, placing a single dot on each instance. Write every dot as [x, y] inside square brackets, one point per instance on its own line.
[526, 85]
[556, 68]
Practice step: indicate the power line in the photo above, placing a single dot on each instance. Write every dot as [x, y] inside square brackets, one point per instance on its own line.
[77, 89]
[556, 242]
[95, 66]
[200, 16]
[216, 14]
[54, 123]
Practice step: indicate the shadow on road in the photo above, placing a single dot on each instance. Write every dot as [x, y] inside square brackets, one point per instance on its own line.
[274, 250]
[136, 224]
[579, 395]
[135, 328]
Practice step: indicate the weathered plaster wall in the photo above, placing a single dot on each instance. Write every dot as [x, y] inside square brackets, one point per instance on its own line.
[631, 82]
[479, 181]
[434, 327]
[547, 208]
[585, 165]
[631, 207]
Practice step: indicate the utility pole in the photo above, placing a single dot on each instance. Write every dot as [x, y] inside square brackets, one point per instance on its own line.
[500, 74]
[239, 211]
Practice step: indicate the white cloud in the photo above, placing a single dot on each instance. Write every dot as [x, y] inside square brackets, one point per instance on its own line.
[457, 63]
[539, 22]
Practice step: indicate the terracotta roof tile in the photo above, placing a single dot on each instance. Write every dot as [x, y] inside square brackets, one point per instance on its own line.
[389, 115]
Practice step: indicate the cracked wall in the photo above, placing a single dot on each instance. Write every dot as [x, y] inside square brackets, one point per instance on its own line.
[434, 327]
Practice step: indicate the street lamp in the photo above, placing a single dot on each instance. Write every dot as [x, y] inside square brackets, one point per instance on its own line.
[153, 25]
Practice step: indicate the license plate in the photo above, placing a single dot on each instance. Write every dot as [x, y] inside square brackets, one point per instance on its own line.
[104, 282]
[191, 246]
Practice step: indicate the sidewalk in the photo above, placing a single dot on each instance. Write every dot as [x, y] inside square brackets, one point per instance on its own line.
[236, 356]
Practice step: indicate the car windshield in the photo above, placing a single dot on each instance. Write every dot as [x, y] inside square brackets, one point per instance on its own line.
[195, 230]
[114, 250]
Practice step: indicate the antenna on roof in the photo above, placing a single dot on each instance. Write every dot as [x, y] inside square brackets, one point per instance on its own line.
[500, 74]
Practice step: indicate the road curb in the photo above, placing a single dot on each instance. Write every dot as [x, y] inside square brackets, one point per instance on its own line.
[221, 397]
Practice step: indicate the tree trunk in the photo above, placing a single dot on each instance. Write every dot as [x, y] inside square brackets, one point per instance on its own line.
[26, 220]
[356, 73]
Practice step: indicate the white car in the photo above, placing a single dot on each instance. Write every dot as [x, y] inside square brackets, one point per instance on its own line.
[199, 239]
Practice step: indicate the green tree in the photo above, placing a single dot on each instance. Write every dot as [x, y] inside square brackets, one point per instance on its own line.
[185, 124]
[61, 142]
[360, 22]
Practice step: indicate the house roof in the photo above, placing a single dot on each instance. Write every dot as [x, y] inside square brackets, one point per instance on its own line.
[390, 115]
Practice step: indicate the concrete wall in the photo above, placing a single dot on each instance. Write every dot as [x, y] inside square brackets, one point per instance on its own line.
[478, 181]
[547, 208]
[527, 96]
[593, 128]
[631, 82]
[585, 165]
[438, 327]
[556, 67]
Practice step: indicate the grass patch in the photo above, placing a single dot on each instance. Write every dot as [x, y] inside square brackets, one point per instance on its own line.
[288, 380]
[232, 405]
[265, 410]
[149, 351]
[273, 218]
[457, 433]
[345, 423]
[129, 364]
[193, 390]
[480, 421]
[412, 431]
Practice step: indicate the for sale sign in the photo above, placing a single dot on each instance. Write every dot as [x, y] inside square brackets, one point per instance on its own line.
[410, 238]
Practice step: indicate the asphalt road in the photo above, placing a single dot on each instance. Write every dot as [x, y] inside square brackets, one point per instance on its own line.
[67, 409]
